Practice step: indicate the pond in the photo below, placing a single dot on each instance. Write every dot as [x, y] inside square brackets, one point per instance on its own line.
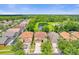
[40, 27]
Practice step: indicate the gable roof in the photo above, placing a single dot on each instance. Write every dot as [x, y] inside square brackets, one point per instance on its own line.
[40, 34]
[26, 35]
[76, 34]
[11, 32]
[53, 35]
[67, 35]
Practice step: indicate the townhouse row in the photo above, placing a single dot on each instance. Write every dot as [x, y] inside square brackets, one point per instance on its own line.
[11, 34]
[39, 37]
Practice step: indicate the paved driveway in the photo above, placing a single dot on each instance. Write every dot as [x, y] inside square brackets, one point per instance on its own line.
[54, 40]
[37, 48]
[55, 49]
[26, 48]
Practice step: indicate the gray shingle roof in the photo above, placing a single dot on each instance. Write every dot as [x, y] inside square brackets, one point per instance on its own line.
[2, 40]
[53, 36]
[12, 32]
[9, 34]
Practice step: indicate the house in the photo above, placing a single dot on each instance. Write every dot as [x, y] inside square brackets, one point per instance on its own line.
[13, 32]
[40, 36]
[67, 36]
[26, 37]
[53, 36]
[9, 35]
[76, 34]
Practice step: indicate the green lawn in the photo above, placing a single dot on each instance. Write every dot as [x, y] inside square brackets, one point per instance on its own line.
[6, 52]
[5, 48]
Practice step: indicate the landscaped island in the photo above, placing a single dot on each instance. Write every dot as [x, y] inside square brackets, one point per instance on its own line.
[39, 34]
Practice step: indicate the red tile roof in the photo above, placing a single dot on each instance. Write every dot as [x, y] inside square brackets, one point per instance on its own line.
[66, 35]
[76, 34]
[40, 34]
[26, 35]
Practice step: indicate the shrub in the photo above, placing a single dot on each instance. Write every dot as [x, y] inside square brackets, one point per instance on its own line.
[17, 48]
[19, 52]
[69, 47]
[46, 47]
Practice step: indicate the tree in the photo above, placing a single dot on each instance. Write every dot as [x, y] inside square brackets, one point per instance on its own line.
[71, 26]
[17, 48]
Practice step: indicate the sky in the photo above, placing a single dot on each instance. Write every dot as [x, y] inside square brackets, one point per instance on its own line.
[39, 8]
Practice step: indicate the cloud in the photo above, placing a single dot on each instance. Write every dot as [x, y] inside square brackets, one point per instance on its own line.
[54, 9]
